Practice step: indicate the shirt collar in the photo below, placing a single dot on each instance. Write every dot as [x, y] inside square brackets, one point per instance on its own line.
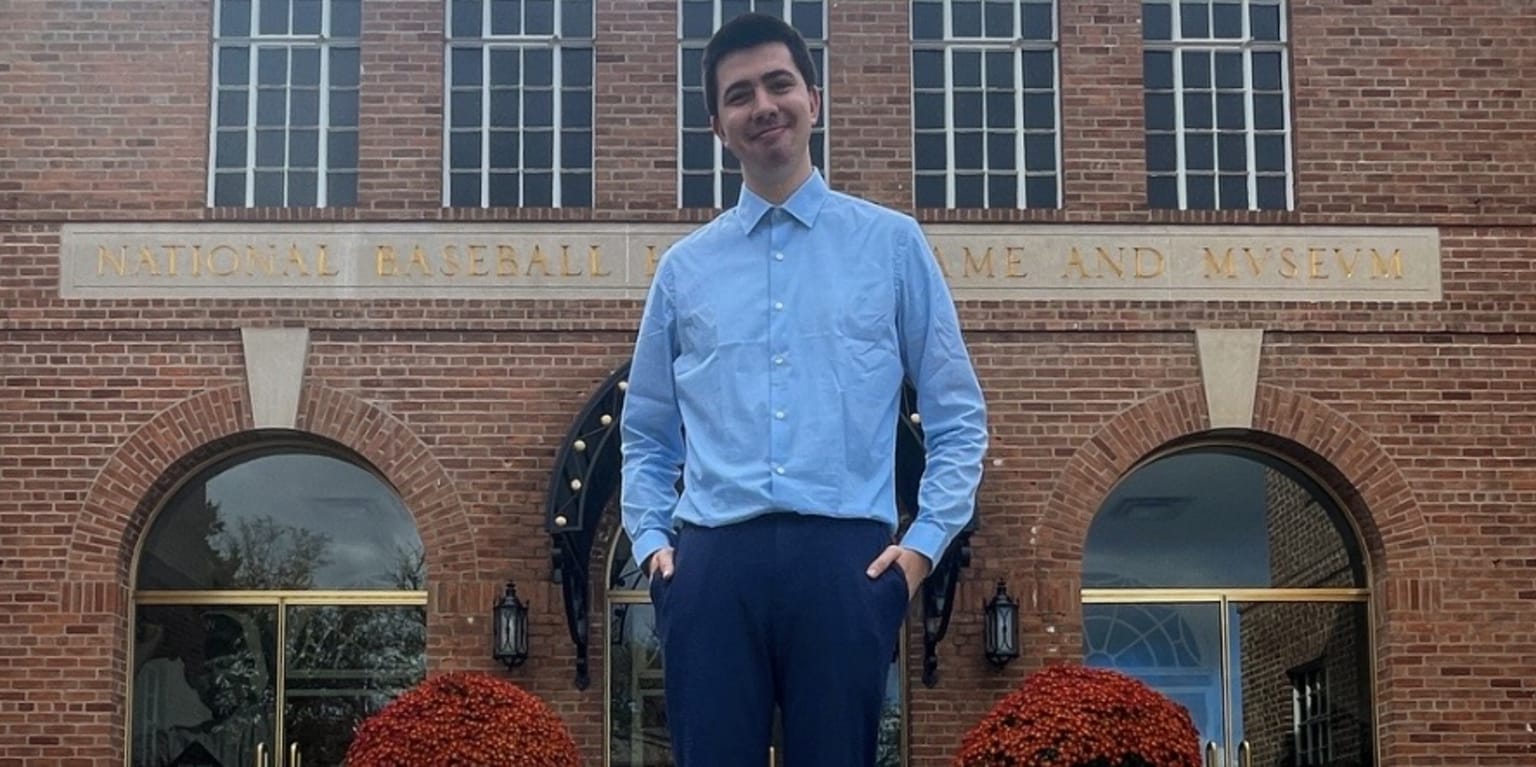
[803, 205]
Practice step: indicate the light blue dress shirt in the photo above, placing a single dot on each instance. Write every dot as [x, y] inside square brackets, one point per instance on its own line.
[778, 339]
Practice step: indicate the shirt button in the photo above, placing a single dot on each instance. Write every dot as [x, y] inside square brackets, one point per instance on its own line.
[778, 305]
[778, 469]
[778, 360]
[779, 415]
[778, 256]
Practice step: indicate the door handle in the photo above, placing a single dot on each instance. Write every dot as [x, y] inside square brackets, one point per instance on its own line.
[1244, 754]
[261, 755]
[1212, 754]
[293, 754]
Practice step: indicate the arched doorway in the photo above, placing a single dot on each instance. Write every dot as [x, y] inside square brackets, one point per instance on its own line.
[1232, 581]
[637, 719]
[278, 601]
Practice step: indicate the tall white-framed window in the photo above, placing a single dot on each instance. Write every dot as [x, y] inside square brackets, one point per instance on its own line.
[1311, 736]
[986, 125]
[1217, 86]
[518, 123]
[285, 92]
[708, 175]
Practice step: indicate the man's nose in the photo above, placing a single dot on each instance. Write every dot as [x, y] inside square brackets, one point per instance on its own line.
[763, 103]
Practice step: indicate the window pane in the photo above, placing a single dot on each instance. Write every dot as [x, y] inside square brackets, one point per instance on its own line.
[465, 66]
[967, 69]
[271, 107]
[1163, 192]
[234, 66]
[928, 111]
[343, 108]
[538, 190]
[998, 18]
[1162, 152]
[1200, 192]
[304, 149]
[269, 189]
[575, 190]
[1039, 111]
[1229, 111]
[576, 19]
[229, 189]
[576, 108]
[1229, 71]
[302, 188]
[538, 149]
[464, 189]
[1199, 151]
[698, 19]
[464, 150]
[506, 17]
[344, 67]
[927, 20]
[575, 149]
[1000, 110]
[274, 17]
[464, 109]
[1227, 20]
[269, 149]
[968, 151]
[1001, 151]
[1037, 22]
[1197, 111]
[806, 17]
[538, 108]
[698, 191]
[306, 17]
[504, 108]
[1157, 21]
[1234, 192]
[1039, 69]
[965, 21]
[1264, 22]
[1040, 192]
[466, 18]
[967, 110]
[341, 150]
[928, 69]
[968, 191]
[346, 18]
[1160, 113]
[504, 189]
[504, 148]
[698, 150]
[576, 67]
[1158, 70]
[1272, 193]
[538, 67]
[1269, 152]
[235, 18]
[1266, 70]
[1268, 112]
[305, 110]
[1040, 152]
[234, 108]
[539, 17]
[229, 151]
[930, 151]
[929, 192]
[1194, 20]
[999, 67]
[505, 67]
[341, 188]
[272, 66]
[1232, 152]
[1002, 192]
[1197, 69]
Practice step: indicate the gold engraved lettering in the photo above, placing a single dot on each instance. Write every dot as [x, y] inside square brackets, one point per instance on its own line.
[1347, 264]
[565, 263]
[938, 255]
[595, 262]
[1226, 266]
[506, 261]
[1288, 266]
[230, 261]
[172, 255]
[1315, 263]
[147, 263]
[419, 261]
[1075, 259]
[477, 265]
[974, 267]
[1014, 258]
[1115, 263]
[1387, 267]
[106, 258]
[651, 260]
[295, 259]
[322, 263]
[539, 258]
[451, 264]
[1159, 263]
[1256, 263]
[384, 261]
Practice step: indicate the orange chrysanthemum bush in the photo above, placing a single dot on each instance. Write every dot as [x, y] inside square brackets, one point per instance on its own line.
[465, 720]
[1072, 716]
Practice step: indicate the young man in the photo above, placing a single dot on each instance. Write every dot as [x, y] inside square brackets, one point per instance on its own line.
[767, 376]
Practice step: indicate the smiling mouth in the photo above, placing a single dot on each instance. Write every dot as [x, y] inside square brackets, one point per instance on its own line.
[770, 132]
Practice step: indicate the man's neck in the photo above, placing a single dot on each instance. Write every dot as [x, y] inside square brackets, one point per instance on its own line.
[775, 191]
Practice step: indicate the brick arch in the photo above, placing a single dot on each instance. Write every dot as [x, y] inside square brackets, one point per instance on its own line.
[149, 462]
[1344, 456]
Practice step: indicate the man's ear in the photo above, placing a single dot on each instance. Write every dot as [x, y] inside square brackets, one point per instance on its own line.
[815, 103]
[714, 125]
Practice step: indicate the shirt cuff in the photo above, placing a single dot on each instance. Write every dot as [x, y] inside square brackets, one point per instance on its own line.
[648, 543]
[925, 538]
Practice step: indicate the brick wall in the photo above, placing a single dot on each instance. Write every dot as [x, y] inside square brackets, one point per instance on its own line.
[1420, 416]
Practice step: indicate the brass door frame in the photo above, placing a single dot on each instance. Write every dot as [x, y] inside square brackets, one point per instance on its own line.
[280, 600]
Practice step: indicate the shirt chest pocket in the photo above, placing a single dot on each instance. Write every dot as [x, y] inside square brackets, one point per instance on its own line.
[697, 330]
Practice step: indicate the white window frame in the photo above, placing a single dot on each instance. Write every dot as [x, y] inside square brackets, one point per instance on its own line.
[488, 42]
[694, 47]
[1311, 737]
[1247, 46]
[1017, 44]
[254, 43]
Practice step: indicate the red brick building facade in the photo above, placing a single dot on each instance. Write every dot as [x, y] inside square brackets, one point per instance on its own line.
[1416, 419]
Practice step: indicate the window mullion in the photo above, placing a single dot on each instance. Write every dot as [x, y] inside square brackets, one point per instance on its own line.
[323, 125]
[1021, 164]
[949, 126]
[487, 91]
[556, 78]
[253, 53]
[1180, 132]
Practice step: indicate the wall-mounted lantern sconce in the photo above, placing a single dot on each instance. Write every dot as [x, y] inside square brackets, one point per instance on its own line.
[1002, 627]
[509, 618]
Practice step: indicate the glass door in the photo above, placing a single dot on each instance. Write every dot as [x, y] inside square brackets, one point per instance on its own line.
[205, 684]
[342, 663]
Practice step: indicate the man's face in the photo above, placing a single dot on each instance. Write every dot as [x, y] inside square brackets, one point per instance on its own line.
[765, 112]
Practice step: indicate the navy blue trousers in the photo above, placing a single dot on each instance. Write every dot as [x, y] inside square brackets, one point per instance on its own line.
[777, 611]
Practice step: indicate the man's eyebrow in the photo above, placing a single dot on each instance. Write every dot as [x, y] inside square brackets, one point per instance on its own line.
[777, 74]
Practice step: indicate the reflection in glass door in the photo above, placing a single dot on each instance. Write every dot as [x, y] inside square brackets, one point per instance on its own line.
[1268, 682]
[208, 677]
